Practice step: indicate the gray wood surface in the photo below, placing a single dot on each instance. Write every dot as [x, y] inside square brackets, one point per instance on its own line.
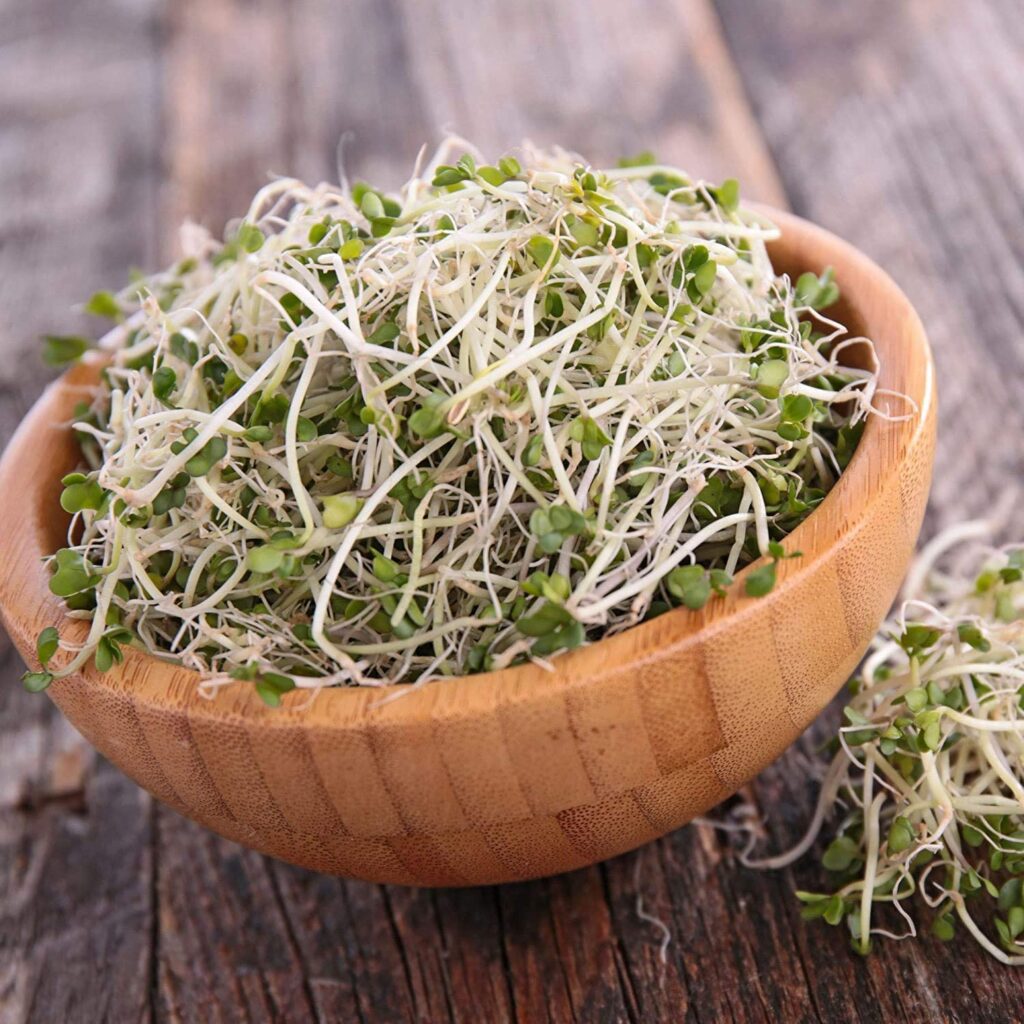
[898, 124]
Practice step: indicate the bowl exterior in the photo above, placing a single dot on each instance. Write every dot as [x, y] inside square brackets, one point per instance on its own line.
[519, 773]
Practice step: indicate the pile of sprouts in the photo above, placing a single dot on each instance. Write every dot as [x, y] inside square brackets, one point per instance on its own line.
[928, 772]
[512, 409]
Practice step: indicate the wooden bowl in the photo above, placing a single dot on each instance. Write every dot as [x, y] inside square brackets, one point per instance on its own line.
[523, 772]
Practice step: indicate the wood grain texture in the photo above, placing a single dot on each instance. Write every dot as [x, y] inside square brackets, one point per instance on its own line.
[523, 772]
[897, 125]
[394, 75]
[60, 928]
[79, 165]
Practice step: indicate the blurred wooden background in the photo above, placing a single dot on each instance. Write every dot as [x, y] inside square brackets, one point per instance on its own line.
[897, 124]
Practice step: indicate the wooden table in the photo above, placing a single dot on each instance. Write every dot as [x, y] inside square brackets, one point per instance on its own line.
[897, 124]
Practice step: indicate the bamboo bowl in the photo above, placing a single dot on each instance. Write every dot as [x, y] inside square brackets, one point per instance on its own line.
[522, 772]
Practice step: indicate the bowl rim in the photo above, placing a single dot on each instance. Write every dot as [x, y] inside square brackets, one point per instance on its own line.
[881, 452]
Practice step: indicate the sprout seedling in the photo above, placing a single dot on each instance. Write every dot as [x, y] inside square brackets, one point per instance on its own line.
[515, 408]
[926, 788]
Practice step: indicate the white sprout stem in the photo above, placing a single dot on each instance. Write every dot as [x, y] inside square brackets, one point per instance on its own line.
[350, 538]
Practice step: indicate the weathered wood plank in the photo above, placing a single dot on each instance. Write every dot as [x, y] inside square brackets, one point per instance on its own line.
[561, 950]
[906, 140]
[227, 108]
[353, 956]
[397, 74]
[588, 76]
[79, 106]
[75, 906]
[474, 953]
[226, 949]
